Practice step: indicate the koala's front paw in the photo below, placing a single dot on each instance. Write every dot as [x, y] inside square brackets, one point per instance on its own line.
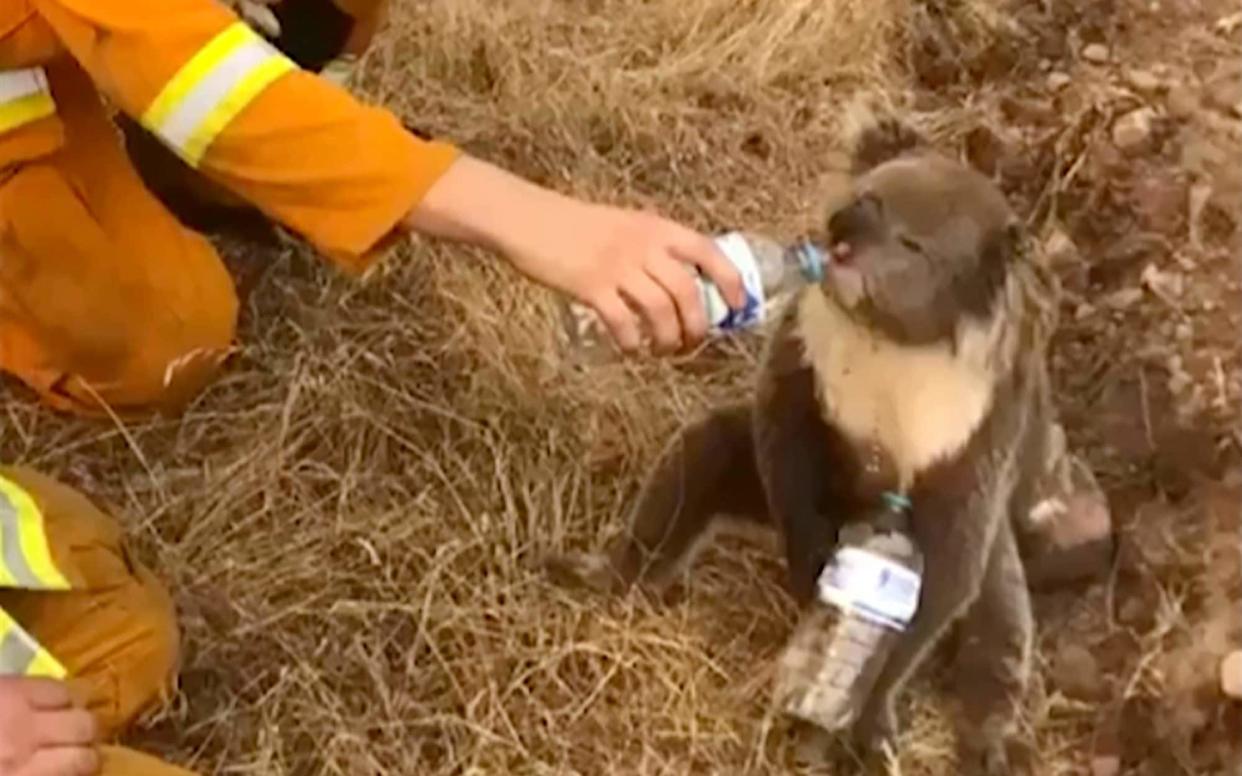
[996, 755]
[583, 570]
[875, 733]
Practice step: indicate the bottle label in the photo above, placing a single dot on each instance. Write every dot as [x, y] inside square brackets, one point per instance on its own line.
[719, 316]
[871, 586]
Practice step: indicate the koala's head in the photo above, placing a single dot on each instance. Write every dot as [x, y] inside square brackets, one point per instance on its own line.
[921, 243]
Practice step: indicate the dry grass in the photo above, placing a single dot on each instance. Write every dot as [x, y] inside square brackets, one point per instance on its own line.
[351, 518]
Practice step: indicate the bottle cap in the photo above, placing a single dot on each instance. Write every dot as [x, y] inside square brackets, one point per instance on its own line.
[811, 260]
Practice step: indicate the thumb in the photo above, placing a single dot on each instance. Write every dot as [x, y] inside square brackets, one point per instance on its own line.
[703, 252]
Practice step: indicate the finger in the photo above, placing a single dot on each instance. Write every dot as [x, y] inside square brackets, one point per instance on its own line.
[620, 320]
[65, 728]
[46, 694]
[657, 307]
[703, 253]
[62, 761]
[684, 289]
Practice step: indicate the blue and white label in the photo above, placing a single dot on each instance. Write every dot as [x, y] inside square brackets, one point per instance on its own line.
[720, 316]
[872, 586]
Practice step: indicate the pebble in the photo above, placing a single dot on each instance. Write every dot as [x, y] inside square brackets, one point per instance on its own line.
[1166, 285]
[1095, 52]
[1124, 299]
[1132, 131]
[1077, 673]
[1226, 96]
[1142, 80]
[1133, 610]
[1058, 80]
[1184, 332]
[1179, 382]
[1182, 100]
[1231, 675]
[1106, 765]
[1060, 249]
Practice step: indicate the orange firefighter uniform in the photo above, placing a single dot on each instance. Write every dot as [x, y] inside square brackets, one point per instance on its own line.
[76, 606]
[107, 303]
[105, 299]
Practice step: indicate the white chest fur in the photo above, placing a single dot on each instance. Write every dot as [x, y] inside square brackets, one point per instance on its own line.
[919, 404]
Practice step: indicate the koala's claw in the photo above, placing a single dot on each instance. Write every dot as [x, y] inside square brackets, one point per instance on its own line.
[581, 570]
[875, 732]
[998, 757]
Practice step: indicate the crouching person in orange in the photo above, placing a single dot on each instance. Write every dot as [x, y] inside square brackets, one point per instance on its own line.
[110, 304]
[88, 639]
[108, 301]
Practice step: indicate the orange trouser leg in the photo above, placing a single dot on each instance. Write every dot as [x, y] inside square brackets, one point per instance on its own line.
[104, 296]
[115, 633]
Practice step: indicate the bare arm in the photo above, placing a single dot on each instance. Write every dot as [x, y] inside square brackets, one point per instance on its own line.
[613, 259]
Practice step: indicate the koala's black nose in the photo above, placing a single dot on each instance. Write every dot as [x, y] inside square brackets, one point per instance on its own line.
[861, 218]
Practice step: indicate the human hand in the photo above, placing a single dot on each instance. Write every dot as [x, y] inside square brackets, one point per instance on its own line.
[620, 262]
[42, 731]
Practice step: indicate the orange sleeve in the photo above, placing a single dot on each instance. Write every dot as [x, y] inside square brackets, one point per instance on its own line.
[302, 150]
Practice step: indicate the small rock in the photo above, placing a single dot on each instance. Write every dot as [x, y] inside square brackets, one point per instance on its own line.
[1083, 311]
[1132, 131]
[1226, 96]
[1133, 611]
[1058, 80]
[1182, 100]
[1106, 765]
[1227, 24]
[1166, 285]
[1184, 332]
[1123, 299]
[1179, 382]
[1077, 673]
[1142, 80]
[1231, 675]
[1095, 52]
[1060, 249]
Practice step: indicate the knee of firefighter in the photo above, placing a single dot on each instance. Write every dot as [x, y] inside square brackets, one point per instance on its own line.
[170, 367]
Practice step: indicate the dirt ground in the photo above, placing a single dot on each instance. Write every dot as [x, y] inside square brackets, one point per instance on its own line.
[351, 518]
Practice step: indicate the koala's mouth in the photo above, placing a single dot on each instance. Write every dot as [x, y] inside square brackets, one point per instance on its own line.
[843, 278]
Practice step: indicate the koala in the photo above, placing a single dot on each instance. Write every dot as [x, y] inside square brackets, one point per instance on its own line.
[917, 366]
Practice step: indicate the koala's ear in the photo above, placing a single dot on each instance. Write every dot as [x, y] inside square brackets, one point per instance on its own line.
[1005, 246]
[882, 141]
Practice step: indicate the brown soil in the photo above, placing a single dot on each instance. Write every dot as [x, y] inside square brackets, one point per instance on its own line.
[350, 519]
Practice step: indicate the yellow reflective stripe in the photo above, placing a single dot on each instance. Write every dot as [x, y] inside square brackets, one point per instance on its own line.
[21, 655]
[25, 557]
[192, 72]
[209, 90]
[24, 97]
[25, 110]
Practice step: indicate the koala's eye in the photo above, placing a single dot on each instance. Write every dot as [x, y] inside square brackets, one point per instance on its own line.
[909, 243]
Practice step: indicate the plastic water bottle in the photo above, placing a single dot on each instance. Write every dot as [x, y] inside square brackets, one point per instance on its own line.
[867, 594]
[768, 270]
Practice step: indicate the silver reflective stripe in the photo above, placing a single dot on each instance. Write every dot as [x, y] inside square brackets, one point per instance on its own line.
[16, 84]
[11, 547]
[213, 90]
[17, 652]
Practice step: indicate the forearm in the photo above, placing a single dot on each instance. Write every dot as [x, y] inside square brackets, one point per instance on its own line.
[479, 203]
